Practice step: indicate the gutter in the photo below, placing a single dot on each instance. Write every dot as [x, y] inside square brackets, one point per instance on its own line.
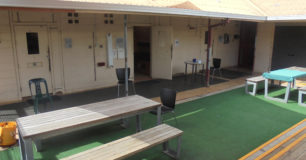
[287, 18]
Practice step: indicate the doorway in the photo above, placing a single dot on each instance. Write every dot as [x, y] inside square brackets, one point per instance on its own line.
[247, 44]
[289, 47]
[33, 55]
[142, 53]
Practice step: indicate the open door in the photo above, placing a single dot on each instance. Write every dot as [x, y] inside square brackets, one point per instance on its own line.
[161, 55]
[142, 53]
[247, 44]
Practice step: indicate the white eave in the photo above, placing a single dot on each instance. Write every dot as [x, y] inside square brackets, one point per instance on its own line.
[98, 7]
[287, 18]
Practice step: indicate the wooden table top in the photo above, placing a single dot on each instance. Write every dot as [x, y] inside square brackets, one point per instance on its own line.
[55, 121]
[303, 69]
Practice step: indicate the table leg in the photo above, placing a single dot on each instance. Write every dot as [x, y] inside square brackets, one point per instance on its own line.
[165, 146]
[138, 123]
[159, 120]
[21, 146]
[192, 69]
[203, 72]
[287, 92]
[285, 100]
[178, 149]
[124, 123]
[170, 152]
[294, 84]
[266, 87]
[38, 145]
[185, 69]
[26, 149]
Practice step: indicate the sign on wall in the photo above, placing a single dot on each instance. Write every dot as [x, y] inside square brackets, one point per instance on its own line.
[120, 48]
[68, 42]
[110, 54]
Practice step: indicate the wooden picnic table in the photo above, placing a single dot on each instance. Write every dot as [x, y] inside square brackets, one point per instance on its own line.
[40, 126]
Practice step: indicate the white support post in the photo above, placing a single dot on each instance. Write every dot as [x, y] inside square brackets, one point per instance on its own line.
[125, 57]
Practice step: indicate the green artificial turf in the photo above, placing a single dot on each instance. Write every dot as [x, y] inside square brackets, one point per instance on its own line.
[223, 126]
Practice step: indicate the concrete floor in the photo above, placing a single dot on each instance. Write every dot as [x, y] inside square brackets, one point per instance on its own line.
[191, 86]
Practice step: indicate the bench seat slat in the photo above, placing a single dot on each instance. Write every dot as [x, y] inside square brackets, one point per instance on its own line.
[129, 145]
[256, 79]
[302, 88]
[122, 141]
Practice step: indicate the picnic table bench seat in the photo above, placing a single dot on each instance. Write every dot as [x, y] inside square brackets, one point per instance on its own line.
[127, 146]
[302, 88]
[41, 126]
[253, 81]
[302, 91]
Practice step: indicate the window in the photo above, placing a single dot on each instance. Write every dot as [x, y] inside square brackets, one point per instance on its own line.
[32, 42]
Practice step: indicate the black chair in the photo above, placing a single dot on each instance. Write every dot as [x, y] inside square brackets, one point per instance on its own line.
[167, 97]
[216, 66]
[120, 72]
[39, 96]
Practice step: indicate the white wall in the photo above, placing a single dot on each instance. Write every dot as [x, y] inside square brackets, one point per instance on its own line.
[227, 52]
[190, 33]
[104, 76]
[8, 81]
[190, 36]
[107, 76]
[264, 47]
[191, 42]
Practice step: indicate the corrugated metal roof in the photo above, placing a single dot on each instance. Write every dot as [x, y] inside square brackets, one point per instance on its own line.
[238, 9]
[224, 6]
[170, 7]
[281, 7]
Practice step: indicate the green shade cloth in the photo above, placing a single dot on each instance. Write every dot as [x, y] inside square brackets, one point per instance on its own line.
[284, 75]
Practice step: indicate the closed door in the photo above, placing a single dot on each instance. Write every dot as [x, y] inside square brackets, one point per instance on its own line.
[33, 55]
[78, 57]
[161, 56]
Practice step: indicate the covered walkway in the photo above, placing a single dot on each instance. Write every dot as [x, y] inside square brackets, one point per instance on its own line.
[188, 87]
